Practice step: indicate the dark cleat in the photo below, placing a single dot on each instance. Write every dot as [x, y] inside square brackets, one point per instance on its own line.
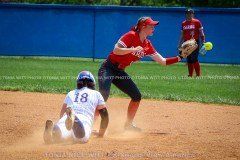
[47, 136]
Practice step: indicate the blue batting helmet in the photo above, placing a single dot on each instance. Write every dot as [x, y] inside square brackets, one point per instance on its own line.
[86, 75]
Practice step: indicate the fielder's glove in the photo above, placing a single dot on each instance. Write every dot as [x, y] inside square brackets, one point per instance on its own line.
[188, 47]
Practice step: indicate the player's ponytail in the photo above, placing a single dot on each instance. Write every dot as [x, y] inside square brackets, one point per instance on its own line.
[140, 24]
[134, 28]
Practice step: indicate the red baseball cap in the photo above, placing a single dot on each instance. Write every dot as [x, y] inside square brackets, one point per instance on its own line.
[143, 21]
[149, 21]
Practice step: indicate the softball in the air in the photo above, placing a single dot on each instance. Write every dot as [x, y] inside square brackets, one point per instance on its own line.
[208, 46]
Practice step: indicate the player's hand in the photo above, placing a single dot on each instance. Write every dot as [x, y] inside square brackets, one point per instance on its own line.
[97, 134]
[101, 133]
[138, 49]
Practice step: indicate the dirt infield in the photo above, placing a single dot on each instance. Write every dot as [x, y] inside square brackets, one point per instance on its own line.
[171, 130]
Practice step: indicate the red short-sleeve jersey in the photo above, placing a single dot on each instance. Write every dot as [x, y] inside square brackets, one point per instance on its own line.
[128, 40]
[191, 29]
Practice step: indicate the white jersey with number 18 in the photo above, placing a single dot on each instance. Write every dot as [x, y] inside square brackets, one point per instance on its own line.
[84, 102]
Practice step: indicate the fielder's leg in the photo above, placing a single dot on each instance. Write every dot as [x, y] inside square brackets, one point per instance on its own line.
[132, 91]
[197, 68]
[132, 110]
[190, 69]
[195, 62]
[105, 77]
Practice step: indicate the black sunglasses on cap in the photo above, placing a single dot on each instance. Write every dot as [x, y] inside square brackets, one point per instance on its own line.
[189, 11]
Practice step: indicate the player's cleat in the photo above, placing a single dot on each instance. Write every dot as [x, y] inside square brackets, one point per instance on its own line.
[47, 136]
[70, 118]
[132, 127]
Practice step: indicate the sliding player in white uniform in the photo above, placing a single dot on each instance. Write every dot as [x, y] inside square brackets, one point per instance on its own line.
[77, 114]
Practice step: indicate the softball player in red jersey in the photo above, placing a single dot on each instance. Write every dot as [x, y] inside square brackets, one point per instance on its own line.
[131, 47]
[192, 28]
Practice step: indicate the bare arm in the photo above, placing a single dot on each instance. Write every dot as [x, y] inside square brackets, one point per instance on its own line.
[158, 58]
[180, 41]
[121, 50]
[104, 121]
[202, 35]
[165, 61]
[63, 110]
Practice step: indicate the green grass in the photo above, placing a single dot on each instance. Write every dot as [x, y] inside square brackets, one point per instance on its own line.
[218, 83]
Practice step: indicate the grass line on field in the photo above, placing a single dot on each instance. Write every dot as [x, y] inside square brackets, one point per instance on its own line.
[218, 83]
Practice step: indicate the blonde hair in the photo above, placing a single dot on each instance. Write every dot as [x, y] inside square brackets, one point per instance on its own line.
[140, 23]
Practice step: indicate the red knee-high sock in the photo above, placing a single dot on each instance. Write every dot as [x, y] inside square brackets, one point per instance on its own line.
[190, 69]
[132, 109]
[197, 68]
[172, 60]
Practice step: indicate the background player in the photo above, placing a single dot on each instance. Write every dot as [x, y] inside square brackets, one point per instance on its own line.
[130, 48]
[192, 28]
[77, 114]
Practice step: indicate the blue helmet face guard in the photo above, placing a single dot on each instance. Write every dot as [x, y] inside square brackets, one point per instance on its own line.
[86, 75]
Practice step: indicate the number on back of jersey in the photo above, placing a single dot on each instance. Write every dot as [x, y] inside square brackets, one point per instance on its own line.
[83, 97]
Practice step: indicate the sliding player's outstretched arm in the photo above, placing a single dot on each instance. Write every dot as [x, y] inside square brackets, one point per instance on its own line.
[104, 121]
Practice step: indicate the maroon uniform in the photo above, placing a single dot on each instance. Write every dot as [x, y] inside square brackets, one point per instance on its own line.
[191, 29]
